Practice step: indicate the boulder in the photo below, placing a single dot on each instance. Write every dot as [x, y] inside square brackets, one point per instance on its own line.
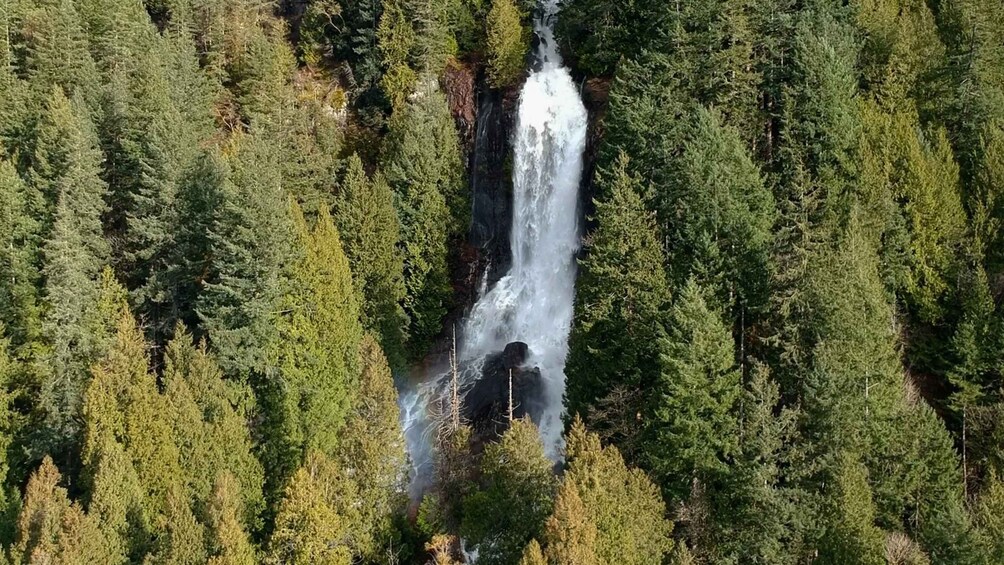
[486, 403]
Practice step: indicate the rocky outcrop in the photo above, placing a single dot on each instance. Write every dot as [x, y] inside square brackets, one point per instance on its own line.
[458, 85]
[486, 403]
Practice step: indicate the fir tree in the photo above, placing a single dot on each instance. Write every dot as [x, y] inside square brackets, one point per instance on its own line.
[19, 259]
[917, 171]
[717, 42]
[599, 47]
[516, 498]
[754, 512]
[250, 243]
[56, 50]
[988, 517]
[723, 214]
[620, 298]
[67, 161]
[851, 535]
[422, 165]
[823, 130]
[366, 218]
[353, 39]
[646, 120]
[9, 424]
[692, 424]
[115, 500]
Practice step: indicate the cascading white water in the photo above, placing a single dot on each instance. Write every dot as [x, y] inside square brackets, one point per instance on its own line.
[533, 302]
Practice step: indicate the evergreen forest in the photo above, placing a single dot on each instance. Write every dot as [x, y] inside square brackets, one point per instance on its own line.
[233, 231]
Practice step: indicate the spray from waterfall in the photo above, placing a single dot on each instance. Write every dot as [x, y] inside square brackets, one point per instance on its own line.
[533, 302]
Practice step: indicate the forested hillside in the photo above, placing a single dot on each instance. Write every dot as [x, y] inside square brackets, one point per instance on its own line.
[229, 227]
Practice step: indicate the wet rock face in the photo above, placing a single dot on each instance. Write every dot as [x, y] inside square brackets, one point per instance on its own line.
[486, 403]
[491, 179]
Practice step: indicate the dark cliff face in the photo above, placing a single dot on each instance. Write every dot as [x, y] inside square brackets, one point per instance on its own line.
[490, 174]
[485, 119]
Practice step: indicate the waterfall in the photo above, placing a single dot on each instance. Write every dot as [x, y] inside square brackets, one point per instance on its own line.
[533, 302]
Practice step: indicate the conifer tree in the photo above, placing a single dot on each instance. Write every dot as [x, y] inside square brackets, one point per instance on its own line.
[823, 129]
[533, 555]
[52, 529]
[371, 451]
[620, 298]
[692, 425]
[261, 66]
[818, 161]
[754, 512]
[516, 498]
[902, 164]
[19, 259]
[13, 89]
[422, 165]
[365, 215]
[599, 47]
[118, 31]
[251, 244]
[717, 44]
[182, 540]
[647, 120]
[569, 534]
[623, 503]
[353, 39]
[201, 193]
[507, 41]
[65, 152]
[115, 500]
[66, 166]
[149, 145]
[228, 540]
[455, 469]
[729, 213]
[307, 528]
[851, 535]
[56, 50]
[988, 516]
[855, 375]
[209, 424]
[396, 40]
[972, 32]
[316, 355]
[8, 428]
[128, 430]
